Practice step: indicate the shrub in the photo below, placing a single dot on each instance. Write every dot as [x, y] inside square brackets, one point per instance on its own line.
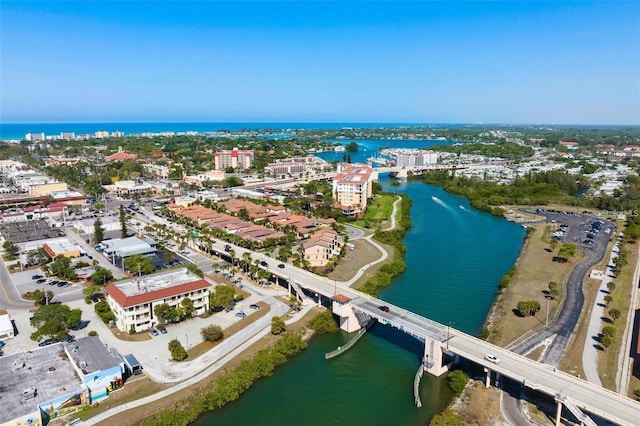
[277, 326]
[178, 353]
[457, 381]
[447, 418]
[212, 333]
[323, 323]
[92, 333]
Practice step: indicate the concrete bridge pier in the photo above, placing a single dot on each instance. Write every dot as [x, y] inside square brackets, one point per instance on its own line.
[558, 412]
[341, 306]
[432, 360]
[487, 379]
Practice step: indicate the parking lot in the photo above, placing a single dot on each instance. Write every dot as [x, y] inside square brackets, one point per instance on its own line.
[24, 283]
[20, 232]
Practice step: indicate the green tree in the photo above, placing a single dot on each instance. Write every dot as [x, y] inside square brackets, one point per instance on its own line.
[54, 320]
[277, 325]
[457, 381]
[98, 231]
[178, 353]
[212, 333]
[447, 418]
[528, 307]
[165, 311]
[614, 314]
[636, 393]
[352, 147]
[187, 306]
[611, 286]
[608, 299]
[42, 297]
[606, 341]
[553, 244]
[139, 264]
[10, 248]
[567, 251]
[554, 291]
[61, 267]
[221, 298]
[123, 222]
[609, 331]
[323, 323]
[194, 268]
[101, 277]
[104, 311]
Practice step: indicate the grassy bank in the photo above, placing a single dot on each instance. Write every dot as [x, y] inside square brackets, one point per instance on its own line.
[389, 271]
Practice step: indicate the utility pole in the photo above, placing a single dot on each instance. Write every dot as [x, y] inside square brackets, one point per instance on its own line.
[448, 330]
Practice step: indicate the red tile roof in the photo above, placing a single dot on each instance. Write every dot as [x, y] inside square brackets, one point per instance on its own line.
[128, 301]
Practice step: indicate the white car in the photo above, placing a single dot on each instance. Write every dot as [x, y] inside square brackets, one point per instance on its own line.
[492, 358]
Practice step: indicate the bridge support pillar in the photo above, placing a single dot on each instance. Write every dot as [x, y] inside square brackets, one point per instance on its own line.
[432, 360]
[487, 379]
[558, 412]
[348, 320]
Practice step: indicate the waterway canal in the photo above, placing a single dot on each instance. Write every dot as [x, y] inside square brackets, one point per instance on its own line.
[455, 257]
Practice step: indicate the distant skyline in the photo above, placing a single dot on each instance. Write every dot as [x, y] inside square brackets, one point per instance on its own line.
[416, 62]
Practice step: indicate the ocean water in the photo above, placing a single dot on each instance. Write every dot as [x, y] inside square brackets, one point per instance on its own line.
[17, 131]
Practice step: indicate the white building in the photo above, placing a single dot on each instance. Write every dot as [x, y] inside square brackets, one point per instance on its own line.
[133, 301]
[353, 186]
[87, 226]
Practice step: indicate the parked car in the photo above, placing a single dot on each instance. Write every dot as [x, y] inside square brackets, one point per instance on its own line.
[41, 281]
[492, 358]
[281, 266]
[241, 314]
[254, 306]
[162, 330]
[384, 308]
[36, 277]
[153, 332]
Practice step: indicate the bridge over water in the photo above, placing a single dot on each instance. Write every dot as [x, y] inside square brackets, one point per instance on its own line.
[443, 343]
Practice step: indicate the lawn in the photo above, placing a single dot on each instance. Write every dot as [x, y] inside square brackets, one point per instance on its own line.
[535, 269]
[378, 211]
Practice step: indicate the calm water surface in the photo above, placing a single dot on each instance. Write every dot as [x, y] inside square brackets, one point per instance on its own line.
[455, 258]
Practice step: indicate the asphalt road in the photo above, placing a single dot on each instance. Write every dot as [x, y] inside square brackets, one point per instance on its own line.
[563, 327]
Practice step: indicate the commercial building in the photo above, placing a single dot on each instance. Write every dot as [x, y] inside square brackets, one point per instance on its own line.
[121, 156]
[50, 382]
[236, 159]
[133, 301]
[62, 247]
[121, 248]
[87, 226]
[199, 179]
[6, 326]
[352, 187]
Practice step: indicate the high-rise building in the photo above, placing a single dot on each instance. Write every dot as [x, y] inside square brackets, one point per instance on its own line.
[236, 159]
[352, 187]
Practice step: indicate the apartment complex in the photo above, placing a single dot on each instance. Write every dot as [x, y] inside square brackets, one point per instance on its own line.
[406, 157]
[132, 301]
[296, 166]
[236, 159]
[352, 187]
[322, 246]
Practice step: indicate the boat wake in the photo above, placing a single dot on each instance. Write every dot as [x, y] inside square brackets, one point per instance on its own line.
[462, 207]
[442, 203]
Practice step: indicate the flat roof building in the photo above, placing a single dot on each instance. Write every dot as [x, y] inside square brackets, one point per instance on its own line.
[133, 301]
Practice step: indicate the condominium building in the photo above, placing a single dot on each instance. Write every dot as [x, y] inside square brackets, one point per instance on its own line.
[133, 301]
[297, 165]
[407, 157]
[236, 159]
[352, 187]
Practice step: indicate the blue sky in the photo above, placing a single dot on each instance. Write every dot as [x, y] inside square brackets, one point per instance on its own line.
[416, 62]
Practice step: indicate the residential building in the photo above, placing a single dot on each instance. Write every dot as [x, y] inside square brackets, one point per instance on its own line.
[297, 165]
[352, 187]
[406, 157]
[236, 159]
[133, 301]
[322, 246]
[34, 137]
[159, 171]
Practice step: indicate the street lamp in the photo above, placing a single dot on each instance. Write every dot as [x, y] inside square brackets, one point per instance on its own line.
[448, 329]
